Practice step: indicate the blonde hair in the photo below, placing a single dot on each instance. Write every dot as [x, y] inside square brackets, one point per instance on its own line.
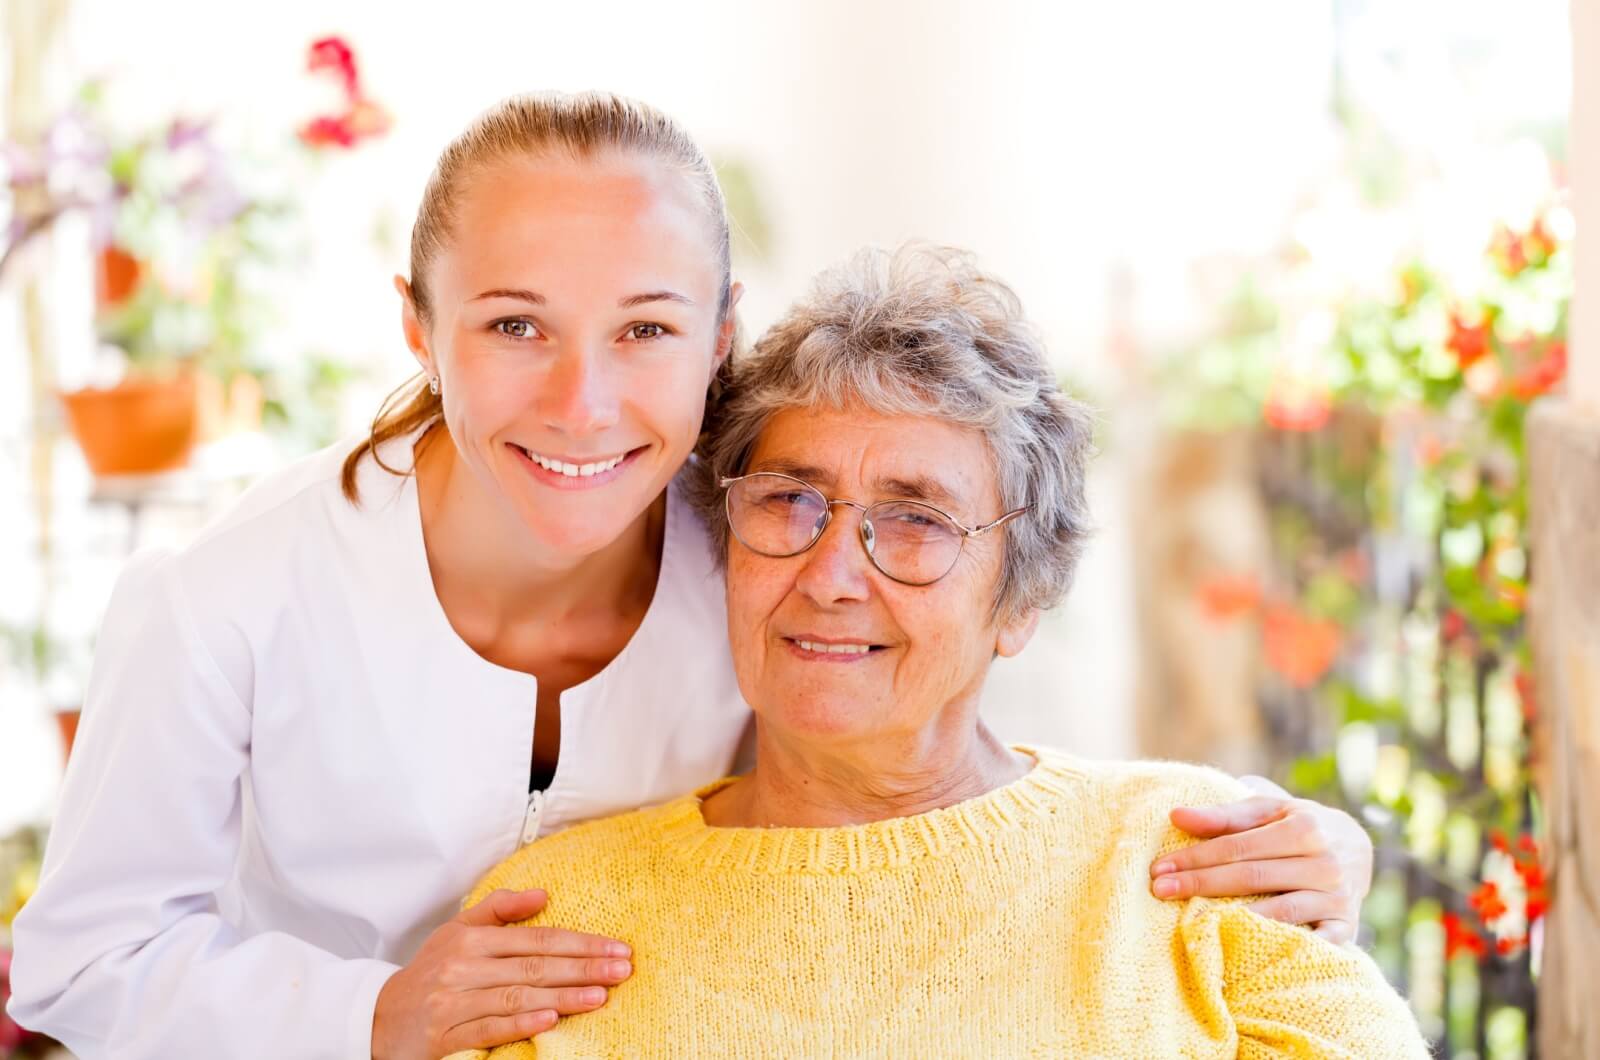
[922, 331]
[583, 125]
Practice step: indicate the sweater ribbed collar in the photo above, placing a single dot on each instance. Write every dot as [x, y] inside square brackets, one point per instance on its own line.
[1027, 801]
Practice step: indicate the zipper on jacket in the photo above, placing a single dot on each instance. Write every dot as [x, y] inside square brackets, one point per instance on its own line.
[530, 822]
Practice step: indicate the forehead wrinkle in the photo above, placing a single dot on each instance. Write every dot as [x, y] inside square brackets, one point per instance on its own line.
[794, 469]
[919, 488]
[910, 487]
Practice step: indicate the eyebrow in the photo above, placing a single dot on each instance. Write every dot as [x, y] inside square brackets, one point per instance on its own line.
[915, 487]
[535, 298]
[653, 296]
[516, 293]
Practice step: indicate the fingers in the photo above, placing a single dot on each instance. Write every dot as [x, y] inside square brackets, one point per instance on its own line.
[1263, 786]
[1250, 877]
[545, 941]
[504, 907]
[520, 999]
[1338, 932]
[491, 1031]
[1303, 907]
[1286, 837]
[1208, 821]
[534, 969]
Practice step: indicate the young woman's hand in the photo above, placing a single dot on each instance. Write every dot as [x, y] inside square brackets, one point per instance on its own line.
[478, 982]
[1314, 861]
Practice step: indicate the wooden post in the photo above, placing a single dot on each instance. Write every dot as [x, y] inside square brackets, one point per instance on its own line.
[1564, 452]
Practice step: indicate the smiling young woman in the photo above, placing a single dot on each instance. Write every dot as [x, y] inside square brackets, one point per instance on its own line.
[310, 730]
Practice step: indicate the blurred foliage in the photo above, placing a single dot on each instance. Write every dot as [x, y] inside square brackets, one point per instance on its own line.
[1392, 612]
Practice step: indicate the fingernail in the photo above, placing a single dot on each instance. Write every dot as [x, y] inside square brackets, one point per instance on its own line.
[619, 969]
[1164, 867]
[619, 949]
[592, 995]
[1166, 887]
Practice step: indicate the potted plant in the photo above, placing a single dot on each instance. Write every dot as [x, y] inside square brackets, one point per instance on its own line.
[182, 245]
[173, 235]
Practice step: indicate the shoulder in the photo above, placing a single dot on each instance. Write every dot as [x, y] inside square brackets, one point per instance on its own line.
[1140, 794]
[287, 519]
[587, 855]
[1131, 781]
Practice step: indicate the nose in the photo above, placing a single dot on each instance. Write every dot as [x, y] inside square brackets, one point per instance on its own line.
[836, 569]
[579, 395]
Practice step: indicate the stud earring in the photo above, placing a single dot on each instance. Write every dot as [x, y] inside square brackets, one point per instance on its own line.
[433, 385]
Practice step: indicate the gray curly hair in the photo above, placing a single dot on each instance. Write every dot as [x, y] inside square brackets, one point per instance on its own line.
[921, 331]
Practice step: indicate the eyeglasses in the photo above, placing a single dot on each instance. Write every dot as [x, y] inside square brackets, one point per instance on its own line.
[908, 541]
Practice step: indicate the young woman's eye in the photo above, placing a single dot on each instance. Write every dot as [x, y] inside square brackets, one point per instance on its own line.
[645, 332]
[516, 329]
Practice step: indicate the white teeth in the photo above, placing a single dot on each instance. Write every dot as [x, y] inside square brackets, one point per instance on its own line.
[835, 649]
[574, 470]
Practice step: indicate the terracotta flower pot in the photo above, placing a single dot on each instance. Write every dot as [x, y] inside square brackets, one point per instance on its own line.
[138, 427]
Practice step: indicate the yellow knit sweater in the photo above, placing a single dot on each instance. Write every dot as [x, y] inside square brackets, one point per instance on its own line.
[1016, 924]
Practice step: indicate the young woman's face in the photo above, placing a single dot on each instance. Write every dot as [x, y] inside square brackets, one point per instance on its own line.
[574, 329]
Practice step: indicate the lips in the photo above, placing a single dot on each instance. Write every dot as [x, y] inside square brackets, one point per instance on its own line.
[572, 472]
[833, 649]
[575, 468]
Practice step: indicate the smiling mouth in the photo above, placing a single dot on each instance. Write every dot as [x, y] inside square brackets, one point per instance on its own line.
[572, 469]
[842, 649]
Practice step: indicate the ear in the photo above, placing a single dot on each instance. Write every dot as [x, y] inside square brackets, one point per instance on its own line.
[1014, 635]
[730, 326]
[411, 325]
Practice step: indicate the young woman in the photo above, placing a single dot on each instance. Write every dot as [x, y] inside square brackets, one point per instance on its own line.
[311, 729]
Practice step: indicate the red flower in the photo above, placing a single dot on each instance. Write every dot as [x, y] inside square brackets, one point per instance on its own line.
[332, 53]
[1292, 407]
[361, 117]
[1459, 938]
[1453, 626]
[1299, 647]
[1524, 683]
[1531, 380]
[1510, 944]
[328, 131]
[1537, 906]
[1469, 344]
[117, 276]
[1538, 244]
[1525, 842]
[1229, 595]
[1498, 840]
[1488, 904]
[1507, 250]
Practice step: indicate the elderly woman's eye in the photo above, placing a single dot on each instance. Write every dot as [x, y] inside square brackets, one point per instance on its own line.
[515, 329]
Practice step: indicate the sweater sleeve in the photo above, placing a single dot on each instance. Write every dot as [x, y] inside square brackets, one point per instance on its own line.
[122, 951]
[1286, 992]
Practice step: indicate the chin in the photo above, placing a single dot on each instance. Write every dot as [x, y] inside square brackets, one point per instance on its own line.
[826, 717]
[576, 537]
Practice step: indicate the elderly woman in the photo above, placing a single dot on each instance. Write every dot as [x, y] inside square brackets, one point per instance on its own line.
[897, 485]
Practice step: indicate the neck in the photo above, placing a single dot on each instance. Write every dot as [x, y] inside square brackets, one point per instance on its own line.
[796, 785]
[482, 559]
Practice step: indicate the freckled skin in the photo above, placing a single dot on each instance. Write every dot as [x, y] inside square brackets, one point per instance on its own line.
[579, 379]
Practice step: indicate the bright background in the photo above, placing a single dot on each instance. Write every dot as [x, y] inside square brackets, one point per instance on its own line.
[1121, 165]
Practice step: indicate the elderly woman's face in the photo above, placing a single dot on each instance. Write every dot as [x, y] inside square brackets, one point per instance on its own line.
[928, 646]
